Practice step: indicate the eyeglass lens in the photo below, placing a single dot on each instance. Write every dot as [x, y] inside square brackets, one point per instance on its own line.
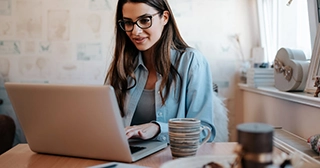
[143, 23]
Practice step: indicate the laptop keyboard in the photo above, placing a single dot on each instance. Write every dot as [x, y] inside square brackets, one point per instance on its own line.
[135, 149]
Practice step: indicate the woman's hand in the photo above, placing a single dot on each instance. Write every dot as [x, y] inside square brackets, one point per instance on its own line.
[143, 131]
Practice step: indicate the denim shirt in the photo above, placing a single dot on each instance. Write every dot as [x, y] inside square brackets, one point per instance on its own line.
[196, 88]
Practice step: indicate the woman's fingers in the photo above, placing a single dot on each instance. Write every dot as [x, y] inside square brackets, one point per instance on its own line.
[143, 131]
[132, 131]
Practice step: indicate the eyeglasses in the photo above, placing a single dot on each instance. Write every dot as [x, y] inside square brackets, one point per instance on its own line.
[144, 23]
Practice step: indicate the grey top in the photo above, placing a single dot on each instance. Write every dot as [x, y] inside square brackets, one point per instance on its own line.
[145, 111]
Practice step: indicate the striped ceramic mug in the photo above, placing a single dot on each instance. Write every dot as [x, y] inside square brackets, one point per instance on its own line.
[184, 135]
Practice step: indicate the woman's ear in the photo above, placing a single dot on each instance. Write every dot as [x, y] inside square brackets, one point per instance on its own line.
[165, 17]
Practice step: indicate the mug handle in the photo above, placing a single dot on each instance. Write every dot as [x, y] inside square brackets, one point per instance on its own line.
[208, 135]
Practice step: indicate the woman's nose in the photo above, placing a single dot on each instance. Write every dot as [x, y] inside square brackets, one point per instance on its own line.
[136, 29]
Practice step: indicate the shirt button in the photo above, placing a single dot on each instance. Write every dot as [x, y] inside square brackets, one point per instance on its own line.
[160, 114]
[164, 138]
[158, 92]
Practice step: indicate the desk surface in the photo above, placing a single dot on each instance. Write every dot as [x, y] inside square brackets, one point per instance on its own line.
[22, 156]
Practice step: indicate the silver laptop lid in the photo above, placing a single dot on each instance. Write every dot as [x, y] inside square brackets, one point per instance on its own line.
[72, 120]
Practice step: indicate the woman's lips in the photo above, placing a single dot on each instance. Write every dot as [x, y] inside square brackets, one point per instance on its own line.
[139, 40]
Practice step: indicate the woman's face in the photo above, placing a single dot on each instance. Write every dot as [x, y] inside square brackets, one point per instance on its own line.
[144, 39]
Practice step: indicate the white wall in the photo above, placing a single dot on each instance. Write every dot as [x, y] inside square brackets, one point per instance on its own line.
[212, 26]
[70, 41]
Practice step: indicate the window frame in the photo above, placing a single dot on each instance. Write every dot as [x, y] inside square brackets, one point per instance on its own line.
[314, 20]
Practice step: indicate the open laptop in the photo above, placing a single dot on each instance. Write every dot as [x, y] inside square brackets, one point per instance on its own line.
[75, 120]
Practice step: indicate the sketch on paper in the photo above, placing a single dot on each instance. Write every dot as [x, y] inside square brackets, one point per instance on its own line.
[29, 19]
[58, 25]
[10, 47]
[69, 72]
[89, 51]
[61, 50]
[88, 26]
[5, 7]
[5, 28]
[42, 64]
[100, 5]
[94, 22]
[29, 47]
[27, 67]
[33, 67]
[44, 47]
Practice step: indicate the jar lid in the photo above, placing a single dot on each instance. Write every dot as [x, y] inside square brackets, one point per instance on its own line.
[255, 137]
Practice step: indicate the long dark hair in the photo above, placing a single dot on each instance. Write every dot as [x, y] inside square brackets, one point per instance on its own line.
[122, 65]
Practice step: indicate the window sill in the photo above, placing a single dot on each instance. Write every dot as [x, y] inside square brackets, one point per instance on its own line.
[297, 97]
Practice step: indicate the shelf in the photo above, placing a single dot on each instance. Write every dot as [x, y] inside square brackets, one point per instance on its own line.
[293, 144]
[297, 97]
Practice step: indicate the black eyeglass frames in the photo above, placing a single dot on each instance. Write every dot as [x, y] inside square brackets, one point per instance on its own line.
[143, 22]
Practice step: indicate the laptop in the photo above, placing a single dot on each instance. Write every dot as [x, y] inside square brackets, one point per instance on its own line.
[75, 120]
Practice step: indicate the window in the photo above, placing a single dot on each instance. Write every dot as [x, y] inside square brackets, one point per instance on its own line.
[284, 23]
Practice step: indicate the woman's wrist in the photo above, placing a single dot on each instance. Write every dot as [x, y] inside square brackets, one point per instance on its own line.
[159, 129]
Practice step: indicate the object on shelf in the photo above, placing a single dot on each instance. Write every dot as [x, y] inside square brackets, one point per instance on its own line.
[259, 59]
[317, 85]
[260, 77]
[290, 70]
[314, 143]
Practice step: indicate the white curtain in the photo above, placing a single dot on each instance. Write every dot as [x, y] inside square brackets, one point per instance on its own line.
[283, 25]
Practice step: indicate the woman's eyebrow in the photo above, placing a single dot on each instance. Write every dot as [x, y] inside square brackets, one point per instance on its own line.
[144, 15]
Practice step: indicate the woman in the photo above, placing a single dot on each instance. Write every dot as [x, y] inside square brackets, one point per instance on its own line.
[155, 74]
